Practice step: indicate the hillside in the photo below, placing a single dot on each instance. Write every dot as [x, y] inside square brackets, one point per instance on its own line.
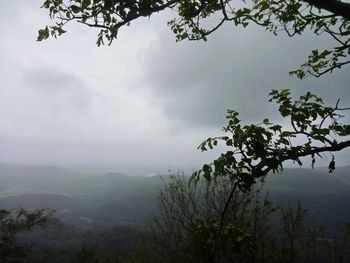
[117, 199]
[23, 179]
[301, 180]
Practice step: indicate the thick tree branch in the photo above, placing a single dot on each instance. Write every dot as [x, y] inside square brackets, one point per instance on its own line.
[335, 147]
[334, 6]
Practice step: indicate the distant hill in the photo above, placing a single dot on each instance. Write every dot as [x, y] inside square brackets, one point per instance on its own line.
[115, 198]
[301, 180]
[118, 199]
[343, 174]
[36, 201]
[105, 200]
[325, 196]
[18, 170]
[108, 185]
[24, 179]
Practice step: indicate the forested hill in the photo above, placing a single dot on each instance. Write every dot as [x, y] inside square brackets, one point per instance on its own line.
[117, 199]
[301, 180]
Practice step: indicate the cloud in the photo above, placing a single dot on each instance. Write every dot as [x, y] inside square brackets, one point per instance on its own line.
[195, 82]
[145, 100]
[60, 91]
[40, 102]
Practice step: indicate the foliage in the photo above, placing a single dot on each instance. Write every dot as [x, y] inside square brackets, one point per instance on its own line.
[189, 228]
[13, 223]
[257, 149]
[193, 17]
[91, 255]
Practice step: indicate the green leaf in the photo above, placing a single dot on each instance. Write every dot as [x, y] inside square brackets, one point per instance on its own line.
[43, 34]
[85, 4]
[75, 9]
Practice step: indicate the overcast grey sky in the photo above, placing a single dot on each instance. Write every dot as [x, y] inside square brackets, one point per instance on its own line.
[145, 100]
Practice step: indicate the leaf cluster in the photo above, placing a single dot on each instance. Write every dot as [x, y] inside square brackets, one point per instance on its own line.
[257, 149]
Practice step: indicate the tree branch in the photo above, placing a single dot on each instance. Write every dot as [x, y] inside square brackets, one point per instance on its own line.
[336, 7]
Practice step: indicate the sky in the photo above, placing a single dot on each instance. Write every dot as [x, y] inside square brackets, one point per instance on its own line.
[144, 101]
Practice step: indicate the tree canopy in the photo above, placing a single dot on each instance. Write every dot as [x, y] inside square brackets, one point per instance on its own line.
[329, 17]
[257, 149]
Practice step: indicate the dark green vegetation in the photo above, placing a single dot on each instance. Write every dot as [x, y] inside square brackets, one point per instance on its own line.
[14, 223]
[112, 211]
[254, 150]
[196, 225]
